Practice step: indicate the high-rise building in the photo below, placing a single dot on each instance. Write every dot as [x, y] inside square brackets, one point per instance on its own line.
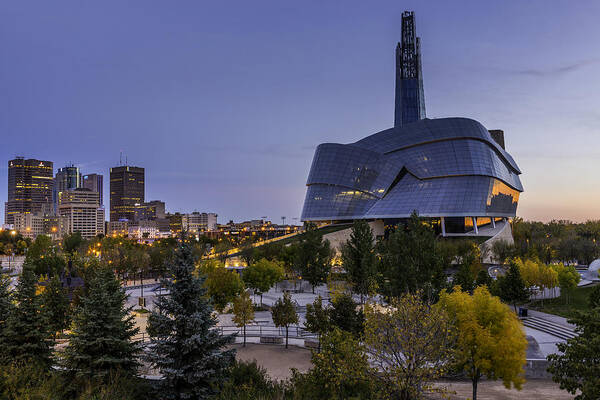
[94, 182]
[82, 208]
[67, 178]
[30, 187]
[29, 225]
[410, 98]
[126, 190]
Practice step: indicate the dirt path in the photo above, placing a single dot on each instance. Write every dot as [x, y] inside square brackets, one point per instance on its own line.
[278, 361]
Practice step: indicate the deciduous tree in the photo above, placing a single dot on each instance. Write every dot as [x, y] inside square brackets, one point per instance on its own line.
[490, 340]
[284, 314]
[313, 257]
[410, 344]
[262, 275]
[317, 319]
[243, 311]
[576, 367]
[511, 287]
[223, 286]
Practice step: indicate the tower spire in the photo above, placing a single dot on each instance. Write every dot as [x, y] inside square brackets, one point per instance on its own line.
[410, 99]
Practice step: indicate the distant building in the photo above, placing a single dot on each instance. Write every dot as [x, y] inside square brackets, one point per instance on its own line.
[150, 211]
[55, 226]
[199, 222]
[145, 229]
[126, 190]
[29, 225]
[30, 185]
[118, 228]
[67, 178]
[175, 223]
[82, 209]
[94, 182]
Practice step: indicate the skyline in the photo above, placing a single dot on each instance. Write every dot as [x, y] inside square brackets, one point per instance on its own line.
[81, 76]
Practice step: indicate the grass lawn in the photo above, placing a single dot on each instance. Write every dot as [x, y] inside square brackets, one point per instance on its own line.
[578, 300]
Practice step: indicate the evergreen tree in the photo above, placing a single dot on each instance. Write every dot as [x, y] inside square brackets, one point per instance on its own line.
[284, 314]
[483, 278]
[512, 288]
[346, 315]
[56, 306]
[103, 328]
[313, 257]
[411, 261]
[358, 258]
[26, 337]
[186, 348]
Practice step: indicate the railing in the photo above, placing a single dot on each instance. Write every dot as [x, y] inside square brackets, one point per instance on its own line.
[294, 332]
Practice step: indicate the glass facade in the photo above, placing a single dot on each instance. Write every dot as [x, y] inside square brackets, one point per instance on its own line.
[447, 167]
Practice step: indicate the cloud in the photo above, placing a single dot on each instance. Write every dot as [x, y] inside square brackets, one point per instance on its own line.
[540, 72]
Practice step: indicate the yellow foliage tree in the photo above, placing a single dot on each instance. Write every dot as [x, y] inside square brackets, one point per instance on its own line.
[490, 339]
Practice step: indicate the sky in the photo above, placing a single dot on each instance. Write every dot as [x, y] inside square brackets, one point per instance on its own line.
[223, 103]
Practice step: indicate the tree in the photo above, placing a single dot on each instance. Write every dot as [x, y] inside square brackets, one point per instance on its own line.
[223, 286]
[72, 243]
[483, 278]
[359, 260]
[243, 311]
[6, 304]
[347, 315]
[262, 275]
[56, 305]
[502, 251]
[317, 319]
[186, 347]
[248, 381]
[26, 337]
[568, 278]
[576, 367]
[421, 333]
[410, 261]
[284, 314]
[313, 257]
[101, 339]
[341, 369]
[593, 300]
[490, 338]
[511, 287]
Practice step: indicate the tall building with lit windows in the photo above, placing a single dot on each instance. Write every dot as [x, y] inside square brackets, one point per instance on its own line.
[126, 190]
[30, 187]
[67, 178]
[452, 171]
[94, 182]
[82, 211]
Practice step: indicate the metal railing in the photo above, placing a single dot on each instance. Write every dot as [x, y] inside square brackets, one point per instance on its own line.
[294, 332]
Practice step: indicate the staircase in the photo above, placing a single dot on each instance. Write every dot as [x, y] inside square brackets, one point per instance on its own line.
[549, 327]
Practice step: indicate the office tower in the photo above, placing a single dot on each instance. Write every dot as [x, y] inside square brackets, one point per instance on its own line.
[67, 178]
[126, 190]
[94, 182]
[410, 99]
[30, 186]
[82, 209]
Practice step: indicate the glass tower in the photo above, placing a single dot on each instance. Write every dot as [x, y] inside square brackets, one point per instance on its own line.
[126, 190]
[30, 187]
[410, 99]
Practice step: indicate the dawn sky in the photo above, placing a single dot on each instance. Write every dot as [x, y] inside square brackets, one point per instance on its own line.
[223, 103]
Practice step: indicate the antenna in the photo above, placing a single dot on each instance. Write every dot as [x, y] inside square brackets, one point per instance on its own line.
[121, 157]
[126, 163]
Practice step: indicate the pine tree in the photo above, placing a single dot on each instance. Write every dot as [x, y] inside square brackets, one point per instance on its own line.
[358, 258]
[26, 337]
[512, 288]
[56, 306]
[103, 328]
[186, 348]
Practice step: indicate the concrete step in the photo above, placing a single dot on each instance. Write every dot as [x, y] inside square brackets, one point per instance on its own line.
[552, 328]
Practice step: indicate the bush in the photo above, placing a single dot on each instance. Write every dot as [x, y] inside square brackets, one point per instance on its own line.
[248, 380]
